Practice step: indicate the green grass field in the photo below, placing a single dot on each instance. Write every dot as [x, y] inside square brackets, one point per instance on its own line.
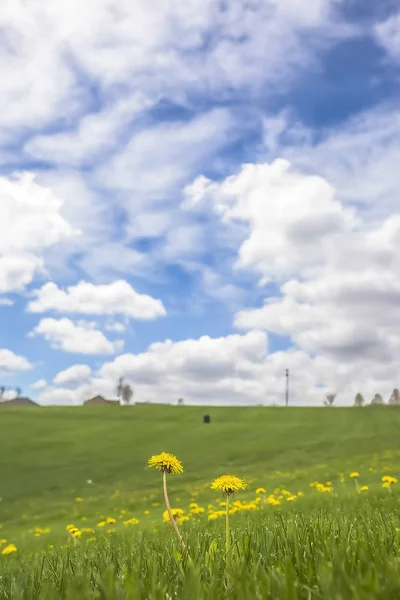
[87, 467]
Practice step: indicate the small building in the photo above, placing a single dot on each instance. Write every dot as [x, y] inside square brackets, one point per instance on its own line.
[100, 400]
[19, 401]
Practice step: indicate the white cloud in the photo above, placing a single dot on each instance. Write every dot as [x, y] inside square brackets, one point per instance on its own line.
[115, 326]
[54, 396]
[6, 302]
[87, 298]
[39, 385]
[96, 134]
[387, 34]
[159, 158]
[79, 338]
[30, 222]
[11, 362]
[287, 213]
[235, 369]
[75, 375]
[359, 158]
[157, 48]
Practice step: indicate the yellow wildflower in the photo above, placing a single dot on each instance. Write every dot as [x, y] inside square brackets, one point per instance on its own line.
[77, 533]
[177, 514]
[110, 520]
[354, 474]
[9, 549]
[132, 521]
[388, 479]
[78, 499]
[261, 490]
[146, 512]
[364, 488]
[228, 484]
[166, 462]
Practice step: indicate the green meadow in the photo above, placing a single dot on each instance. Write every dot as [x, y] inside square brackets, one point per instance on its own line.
[310, 535]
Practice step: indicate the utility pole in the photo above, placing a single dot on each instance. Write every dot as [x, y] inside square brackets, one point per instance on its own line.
[287, 388]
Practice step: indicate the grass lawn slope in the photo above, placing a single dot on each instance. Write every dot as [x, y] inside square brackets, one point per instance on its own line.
[311, 534]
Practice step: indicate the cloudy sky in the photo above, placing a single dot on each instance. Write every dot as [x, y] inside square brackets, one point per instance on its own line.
[197, 195]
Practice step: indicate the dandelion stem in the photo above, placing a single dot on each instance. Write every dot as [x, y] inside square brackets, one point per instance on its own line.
[357, 485]
[227, 528]
[171, 516]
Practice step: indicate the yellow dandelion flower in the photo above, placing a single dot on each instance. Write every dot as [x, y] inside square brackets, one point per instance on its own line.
[110, 520]
[78, 499]
[156, 504]
[388, 479]
[228, 484]
[261, 490]
[177, 514]
[364, 488]
[3, 541]
[354, 474]
[9, 549]
[77, 533]
[166, 462]
[132, 521]
[146, 512]
[101, 524]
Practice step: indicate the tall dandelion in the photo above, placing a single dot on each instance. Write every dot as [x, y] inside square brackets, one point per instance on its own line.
[228, 485]
[168, 463]
[355, 475]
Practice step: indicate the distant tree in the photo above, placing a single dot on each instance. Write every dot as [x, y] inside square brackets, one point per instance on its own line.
[8, 392]
[359, 400]
[377, 400]
[181, 402]
[394, 399]
[330, 399]
[124, 391]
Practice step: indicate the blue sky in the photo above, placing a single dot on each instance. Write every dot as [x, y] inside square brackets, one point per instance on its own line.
[195, 196]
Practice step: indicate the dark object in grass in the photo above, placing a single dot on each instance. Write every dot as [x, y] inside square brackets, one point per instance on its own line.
[206, 419]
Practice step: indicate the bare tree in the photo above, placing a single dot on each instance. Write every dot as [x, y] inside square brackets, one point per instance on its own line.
[377, 400]
[330, 399]
[359, 400]
[124, 391]
[8, 392]
[394, 399]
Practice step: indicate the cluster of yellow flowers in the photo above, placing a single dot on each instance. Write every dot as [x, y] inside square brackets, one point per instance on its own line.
[38, 531]
[322, 487]
[76, 532]
[388, 481]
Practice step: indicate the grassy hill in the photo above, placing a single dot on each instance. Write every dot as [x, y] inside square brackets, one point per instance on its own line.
[49, 455]
[87, 467]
